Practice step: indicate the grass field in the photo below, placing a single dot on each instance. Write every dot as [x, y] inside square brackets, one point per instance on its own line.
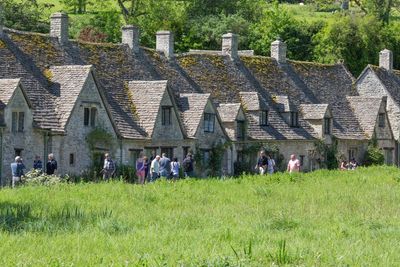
[318, 219]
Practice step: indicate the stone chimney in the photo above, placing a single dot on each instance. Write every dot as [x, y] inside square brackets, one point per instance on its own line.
[130, 36]
[386, 59]
[59, 27]
[230, 45]
[165, 43]
[278, 51]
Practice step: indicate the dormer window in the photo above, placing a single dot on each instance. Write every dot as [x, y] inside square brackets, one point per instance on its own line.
[166, 115]
[327, 125]
[18, 120]
[89, 116]
[381, 120]
[294, 119]
[240, 132]
[263, 118]
[209, 122]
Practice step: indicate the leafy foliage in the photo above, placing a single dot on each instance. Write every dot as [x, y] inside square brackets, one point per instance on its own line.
[373, 155]
[328, 154]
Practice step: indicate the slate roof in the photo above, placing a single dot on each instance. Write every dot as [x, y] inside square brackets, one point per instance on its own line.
[313, 111]
[390, 79]
[310, 83]
[228, 112]
[7, 89]
[366, 110]
[146, 96]
[282, 103]
[192, 108]
[252, 101]
[68, 80]
[28, 56]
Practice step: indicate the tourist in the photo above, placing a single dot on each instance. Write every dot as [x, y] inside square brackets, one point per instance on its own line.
[146, 167]
[271, 164]
[343, 165]
[262, 163]
[51, 166]
[140, 171]
[188, 165]
[175, 166]
[165, 166]
[353, 164]
[17, 170]
[108, 167]
[293, 164]
[37, 163]
[155, 168]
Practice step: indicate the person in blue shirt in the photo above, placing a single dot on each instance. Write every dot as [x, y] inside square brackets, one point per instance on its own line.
[165, 166]
[37, 163]
[17, 170]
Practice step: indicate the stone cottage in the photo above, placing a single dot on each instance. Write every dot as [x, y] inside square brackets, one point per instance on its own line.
[384, 81]
[56, 92]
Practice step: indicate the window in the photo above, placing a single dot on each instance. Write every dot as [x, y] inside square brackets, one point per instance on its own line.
[89, 116]
[381, 120]
[206, 156]
[169, 151]
[388, 154]
[185, 151]
[327, 125]
[17, 124]
[2, 122]
[263, 118]
[166, 115]
[209, 122]
[294, 119]
[18, 151]
[71, 159]
[352, 153]
[240, 130]
[134, 155]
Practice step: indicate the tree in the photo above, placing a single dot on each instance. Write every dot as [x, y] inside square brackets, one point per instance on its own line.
[25, 15]
[76, 6]
[379, 8]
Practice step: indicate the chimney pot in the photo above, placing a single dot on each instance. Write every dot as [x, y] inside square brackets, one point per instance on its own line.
[386, 59]
[278, 51]
[130, 36]
[59, 26]
[230, 45]
[165, 43]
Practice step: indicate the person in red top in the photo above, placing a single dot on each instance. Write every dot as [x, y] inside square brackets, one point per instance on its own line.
[294, 164]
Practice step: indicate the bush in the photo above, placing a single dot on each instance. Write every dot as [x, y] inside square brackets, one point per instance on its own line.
[37, 177]
[126, 173]
[373, 156]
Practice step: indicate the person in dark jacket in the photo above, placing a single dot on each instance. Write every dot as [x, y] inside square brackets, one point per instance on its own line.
[51, 166]
[37, 163]
[165, 166]
[187, 165]
[17, 169]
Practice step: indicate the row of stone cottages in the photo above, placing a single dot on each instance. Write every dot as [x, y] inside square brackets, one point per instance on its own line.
[54, 92]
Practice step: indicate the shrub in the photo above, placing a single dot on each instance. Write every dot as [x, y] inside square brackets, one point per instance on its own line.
[373, 156]
[37, 177]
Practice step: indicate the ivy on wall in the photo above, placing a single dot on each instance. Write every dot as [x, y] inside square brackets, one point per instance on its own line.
[327, 154]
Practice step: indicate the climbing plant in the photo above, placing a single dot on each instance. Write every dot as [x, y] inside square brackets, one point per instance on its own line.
[328, 154]
[373, 155]
[99, 136]
[216, 157]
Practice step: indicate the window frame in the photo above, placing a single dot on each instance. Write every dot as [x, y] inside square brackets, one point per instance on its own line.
[381, 120]
[209, 122]
[164, 120]
[327, 126]
[90, 116]
[17, 124]
[240, 131]
[263, 118]
[72, 159]
[294, 119]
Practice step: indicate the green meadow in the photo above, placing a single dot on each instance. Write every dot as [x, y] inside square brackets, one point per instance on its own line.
[324, 218]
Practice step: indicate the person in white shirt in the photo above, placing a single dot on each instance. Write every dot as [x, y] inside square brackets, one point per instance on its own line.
[155, 168]
[294, 164]
[271, 165]
[175, 166]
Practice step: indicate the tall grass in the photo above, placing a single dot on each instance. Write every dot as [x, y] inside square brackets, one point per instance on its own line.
[325, 218]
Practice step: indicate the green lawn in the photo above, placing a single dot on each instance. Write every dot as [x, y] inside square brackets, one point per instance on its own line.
[324, 218]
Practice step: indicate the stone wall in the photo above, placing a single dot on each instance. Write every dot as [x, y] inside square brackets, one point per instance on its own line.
[29, 142]
[74, 142]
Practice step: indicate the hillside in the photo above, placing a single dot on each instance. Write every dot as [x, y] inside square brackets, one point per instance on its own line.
[322, 218]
